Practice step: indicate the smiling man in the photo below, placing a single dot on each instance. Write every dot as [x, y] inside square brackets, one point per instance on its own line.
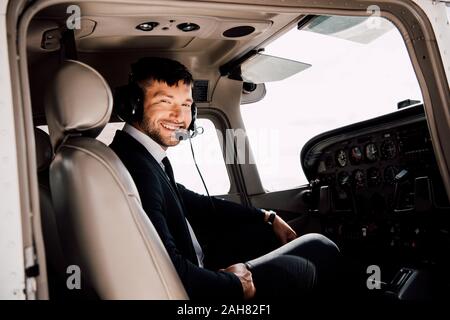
[210, 241]
[167, 109]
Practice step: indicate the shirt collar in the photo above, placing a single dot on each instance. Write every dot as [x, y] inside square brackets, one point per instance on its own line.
[151, 145]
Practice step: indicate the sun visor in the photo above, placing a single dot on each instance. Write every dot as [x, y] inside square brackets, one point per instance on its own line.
[262, 68]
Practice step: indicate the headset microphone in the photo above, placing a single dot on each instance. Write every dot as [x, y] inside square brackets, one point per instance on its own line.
[181, 134]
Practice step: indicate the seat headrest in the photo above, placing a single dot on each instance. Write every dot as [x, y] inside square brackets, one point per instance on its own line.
[78, 101]
[44, 150]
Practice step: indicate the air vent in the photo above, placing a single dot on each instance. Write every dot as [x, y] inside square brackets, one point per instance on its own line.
[188, 27]
[51, 40]
[200, 91]
[240, 31]
[147, 26]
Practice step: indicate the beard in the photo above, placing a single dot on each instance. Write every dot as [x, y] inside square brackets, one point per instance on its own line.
[156, 135]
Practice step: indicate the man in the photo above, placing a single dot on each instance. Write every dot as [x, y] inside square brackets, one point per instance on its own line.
[208, 239]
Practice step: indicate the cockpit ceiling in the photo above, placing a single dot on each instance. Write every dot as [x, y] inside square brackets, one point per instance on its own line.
[113, 27]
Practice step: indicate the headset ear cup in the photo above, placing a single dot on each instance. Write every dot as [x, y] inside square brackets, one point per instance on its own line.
[193, 116]
[128, 103]
[136, 102]
[121, 103]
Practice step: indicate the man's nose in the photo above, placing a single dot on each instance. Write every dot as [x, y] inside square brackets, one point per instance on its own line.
[176, 112]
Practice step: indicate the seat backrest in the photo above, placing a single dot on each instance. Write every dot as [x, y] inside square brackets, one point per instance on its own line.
[103, 228]
[53, 253]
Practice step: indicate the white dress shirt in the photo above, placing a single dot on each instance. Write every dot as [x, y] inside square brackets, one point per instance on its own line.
[159, 154]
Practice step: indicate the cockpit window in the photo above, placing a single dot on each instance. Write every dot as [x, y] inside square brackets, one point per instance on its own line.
[360, 69]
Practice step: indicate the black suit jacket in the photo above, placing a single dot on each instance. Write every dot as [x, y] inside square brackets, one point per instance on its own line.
[168, 214]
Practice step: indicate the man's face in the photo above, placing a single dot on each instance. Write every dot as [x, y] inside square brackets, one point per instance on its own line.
[166, 109]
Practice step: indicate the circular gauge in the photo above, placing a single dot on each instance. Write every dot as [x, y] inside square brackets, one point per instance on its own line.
[343, 179]
[373, 177]
[356, 155]
[341, 158]
[389, 174]
[388, 149]
[371, 152]
[359, 179]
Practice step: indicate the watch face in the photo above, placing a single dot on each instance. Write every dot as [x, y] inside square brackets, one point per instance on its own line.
[271, 217]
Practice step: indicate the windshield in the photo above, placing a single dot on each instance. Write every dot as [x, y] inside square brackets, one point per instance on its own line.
[349, 81]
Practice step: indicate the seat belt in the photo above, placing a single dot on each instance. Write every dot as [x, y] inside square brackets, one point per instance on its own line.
[68, 45]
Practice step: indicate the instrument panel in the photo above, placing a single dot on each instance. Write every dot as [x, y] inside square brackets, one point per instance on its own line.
[369, 168]
[377, 166]
[358, 161]
[374, 160]
[377, 187]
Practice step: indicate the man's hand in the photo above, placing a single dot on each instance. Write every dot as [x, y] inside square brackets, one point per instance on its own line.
[245, 276]
[282, 230]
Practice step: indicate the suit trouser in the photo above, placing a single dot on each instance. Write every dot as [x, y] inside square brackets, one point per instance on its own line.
[308, 265]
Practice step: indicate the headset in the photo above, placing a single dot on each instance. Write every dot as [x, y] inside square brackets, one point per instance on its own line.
[129, 106]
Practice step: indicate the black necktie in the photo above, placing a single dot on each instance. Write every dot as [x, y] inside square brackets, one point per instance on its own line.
[169, 172]
[197, 249]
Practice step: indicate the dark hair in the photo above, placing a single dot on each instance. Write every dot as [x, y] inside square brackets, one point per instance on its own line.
[149, 69]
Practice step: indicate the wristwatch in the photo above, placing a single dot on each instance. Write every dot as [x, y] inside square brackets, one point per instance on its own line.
[271, 218]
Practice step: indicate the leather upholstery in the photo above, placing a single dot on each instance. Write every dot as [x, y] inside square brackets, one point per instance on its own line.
[56, 266]
[44, 150]
[79, 101]
[103, 228]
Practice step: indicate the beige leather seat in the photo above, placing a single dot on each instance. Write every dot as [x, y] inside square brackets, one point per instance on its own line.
[102, 225]
[53, 252]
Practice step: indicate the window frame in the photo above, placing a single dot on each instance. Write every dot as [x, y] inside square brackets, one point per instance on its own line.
[221, 122]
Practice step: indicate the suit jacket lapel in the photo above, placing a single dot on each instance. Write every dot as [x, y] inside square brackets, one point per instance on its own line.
[156, 166]
[163, 176]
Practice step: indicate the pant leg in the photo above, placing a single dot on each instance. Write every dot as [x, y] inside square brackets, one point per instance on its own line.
[284, 277]
[319, 250]
[313, 256]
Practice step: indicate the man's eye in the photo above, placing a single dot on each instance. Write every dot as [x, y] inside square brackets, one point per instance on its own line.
[186, 105]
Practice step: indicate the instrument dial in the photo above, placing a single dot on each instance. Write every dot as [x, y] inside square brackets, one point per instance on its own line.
[371, 152]
[388, 149]
[373, 177]
[341, 158]
[389, 174]
[359, 179]
[356, 155]
[343, 179]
